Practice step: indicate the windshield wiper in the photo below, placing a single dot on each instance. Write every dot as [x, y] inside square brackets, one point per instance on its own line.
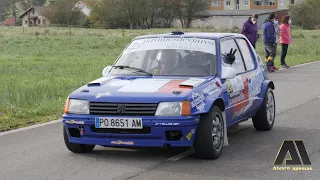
[138, 69]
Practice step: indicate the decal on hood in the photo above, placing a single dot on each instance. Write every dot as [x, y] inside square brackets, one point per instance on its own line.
[144, 85]
[173, 86]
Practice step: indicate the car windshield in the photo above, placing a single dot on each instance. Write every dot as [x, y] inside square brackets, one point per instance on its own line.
[167, 57]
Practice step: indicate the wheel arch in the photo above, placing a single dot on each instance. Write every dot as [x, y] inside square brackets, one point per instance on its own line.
[218, 101]
[265, 85]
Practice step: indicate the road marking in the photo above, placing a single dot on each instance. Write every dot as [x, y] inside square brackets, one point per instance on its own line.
[300, 65]
[29, 127]
[180, 156]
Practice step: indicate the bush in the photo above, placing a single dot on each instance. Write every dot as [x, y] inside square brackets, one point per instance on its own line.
[305, 15]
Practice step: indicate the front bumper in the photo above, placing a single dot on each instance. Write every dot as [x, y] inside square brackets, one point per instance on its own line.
[156, 132]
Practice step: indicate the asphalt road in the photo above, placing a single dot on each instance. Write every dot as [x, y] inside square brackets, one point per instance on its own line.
[40, 153]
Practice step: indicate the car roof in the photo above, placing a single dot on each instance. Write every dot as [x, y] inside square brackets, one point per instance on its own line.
[205, 35]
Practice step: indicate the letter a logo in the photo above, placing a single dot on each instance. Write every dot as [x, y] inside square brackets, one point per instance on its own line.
[295, 153]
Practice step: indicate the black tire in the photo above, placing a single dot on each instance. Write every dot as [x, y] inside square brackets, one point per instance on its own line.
[262, 121]
[204, 145]
[76, 148]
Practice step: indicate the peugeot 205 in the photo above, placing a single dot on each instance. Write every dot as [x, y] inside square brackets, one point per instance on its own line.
[174, 90]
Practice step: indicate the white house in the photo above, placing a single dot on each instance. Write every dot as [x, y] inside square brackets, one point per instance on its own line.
[32, 17]
[85, 6]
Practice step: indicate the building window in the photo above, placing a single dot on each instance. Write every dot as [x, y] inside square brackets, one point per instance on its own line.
[292, 1]
[246, 3]
[281, 2]
[228, 3]
[258, 2]
[26, 21]
[39, 22]
[271, 2]
[216, 3]
[32, 11]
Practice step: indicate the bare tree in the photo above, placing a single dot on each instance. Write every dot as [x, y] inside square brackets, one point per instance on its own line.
[62, 12]
[106, 14]
[187, 10]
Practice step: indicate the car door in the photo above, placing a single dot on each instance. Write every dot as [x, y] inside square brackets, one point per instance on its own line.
[237, 88]
[254, 75]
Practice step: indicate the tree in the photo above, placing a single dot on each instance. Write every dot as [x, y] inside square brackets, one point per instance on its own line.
[106, 14]
[306, 14]
[187, 10]
[62, 12]
[167, 12]
[3, 6]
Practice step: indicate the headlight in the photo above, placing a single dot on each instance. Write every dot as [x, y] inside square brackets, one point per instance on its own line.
[77, 106]
[173, 109]
[169, 109]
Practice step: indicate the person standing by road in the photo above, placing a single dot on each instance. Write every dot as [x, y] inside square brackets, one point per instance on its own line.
[269, 39]
[250, 29]
[285, 39]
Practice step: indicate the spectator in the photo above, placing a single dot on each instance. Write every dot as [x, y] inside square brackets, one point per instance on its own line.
[270, 41]
[285, 39]
[250, 29]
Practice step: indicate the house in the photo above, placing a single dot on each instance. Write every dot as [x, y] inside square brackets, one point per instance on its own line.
[252, 4]
[86, 6]
[227, 14]
[33, 17]
[8, 22]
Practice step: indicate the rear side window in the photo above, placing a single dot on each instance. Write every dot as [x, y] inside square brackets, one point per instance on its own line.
[248, 59]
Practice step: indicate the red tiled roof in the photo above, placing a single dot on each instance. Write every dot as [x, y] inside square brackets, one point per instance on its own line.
[8, 22]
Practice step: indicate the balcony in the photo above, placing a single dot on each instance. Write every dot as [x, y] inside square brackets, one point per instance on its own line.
[263, 4]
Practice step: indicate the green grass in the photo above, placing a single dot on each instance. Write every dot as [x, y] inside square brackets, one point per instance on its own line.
[42, 66]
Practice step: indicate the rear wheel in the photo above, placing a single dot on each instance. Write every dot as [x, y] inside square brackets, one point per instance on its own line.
[76, 148]
[210, 135]
[264, 119]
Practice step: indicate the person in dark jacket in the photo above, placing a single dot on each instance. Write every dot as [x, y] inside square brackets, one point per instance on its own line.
[250, 29]
[269, 38]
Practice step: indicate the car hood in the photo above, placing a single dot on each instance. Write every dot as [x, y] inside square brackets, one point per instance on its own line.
[152, 89]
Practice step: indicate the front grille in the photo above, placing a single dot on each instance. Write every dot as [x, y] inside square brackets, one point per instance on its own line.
[145, 130]
[128, 109]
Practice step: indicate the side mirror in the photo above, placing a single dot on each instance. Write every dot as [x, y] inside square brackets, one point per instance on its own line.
[228, 73]
[105, 71]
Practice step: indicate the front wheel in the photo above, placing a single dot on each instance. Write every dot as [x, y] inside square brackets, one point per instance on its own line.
[210, 135]
[76, 148]
[264, 119]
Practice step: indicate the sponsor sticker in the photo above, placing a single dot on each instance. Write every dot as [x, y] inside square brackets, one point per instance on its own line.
[198, 101]
[103, 94]
[255, 84]
[190, 134]
[203, 45]
[123, 142]
[167, 124]
[74, 122]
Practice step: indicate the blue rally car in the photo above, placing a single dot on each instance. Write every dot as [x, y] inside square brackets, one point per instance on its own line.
[174, 90]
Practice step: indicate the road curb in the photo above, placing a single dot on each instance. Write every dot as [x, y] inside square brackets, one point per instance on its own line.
[29, 127]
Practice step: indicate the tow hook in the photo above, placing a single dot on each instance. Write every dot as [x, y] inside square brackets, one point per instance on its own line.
[81, 130]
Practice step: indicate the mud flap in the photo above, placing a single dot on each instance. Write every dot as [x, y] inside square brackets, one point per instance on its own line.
[226, 143]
